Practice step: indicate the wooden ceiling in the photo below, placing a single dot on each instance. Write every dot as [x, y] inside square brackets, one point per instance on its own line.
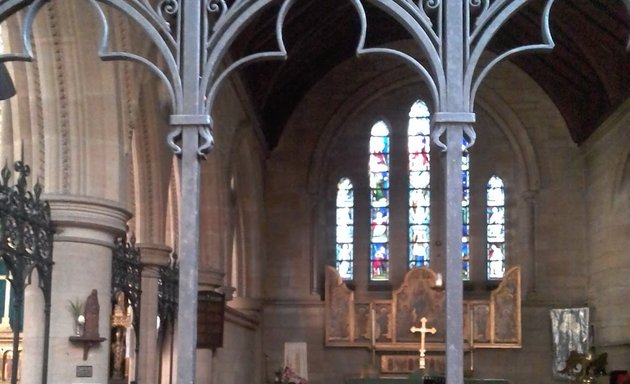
[587, 75]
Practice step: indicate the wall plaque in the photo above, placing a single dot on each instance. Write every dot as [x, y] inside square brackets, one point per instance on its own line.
[84, 371]
[210, 316]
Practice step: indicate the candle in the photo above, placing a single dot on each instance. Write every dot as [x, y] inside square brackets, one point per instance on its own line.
[438, 280]
[373, 316]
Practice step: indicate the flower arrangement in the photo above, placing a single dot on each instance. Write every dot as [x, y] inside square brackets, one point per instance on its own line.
[287, 376]
[76, 310]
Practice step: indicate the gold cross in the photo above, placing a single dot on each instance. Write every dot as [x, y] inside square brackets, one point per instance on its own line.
[422, 330]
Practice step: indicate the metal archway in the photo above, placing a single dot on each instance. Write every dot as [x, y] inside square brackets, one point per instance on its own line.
[450, 37]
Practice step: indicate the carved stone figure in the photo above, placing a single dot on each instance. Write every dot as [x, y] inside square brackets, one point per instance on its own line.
[92, 309]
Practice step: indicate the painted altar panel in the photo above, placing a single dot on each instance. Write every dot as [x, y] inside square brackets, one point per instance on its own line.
[505, 307]
[339, 308]
[415, 299]
[496, 321]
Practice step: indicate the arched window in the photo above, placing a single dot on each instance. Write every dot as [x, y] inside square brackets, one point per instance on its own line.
[495, 228]
[465, 211]
[345, 229]
[378, 168]
[419, 147]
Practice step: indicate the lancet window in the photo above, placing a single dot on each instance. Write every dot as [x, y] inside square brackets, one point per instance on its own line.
[422, 168]
[419, 152]
[495, 228]
[378, 168]
[465, 211]
[345, 229]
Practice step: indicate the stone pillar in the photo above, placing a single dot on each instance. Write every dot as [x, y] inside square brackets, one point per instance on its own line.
[152, 257]
[33, 337]
[85, 229]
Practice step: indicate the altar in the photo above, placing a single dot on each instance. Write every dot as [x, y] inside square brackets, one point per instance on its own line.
[393, 329]
[418, 377]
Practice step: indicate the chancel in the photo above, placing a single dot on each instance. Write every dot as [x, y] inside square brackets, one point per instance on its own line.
[230, 177]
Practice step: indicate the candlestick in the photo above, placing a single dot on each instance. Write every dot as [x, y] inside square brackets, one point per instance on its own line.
[373, 316]
[472, 339]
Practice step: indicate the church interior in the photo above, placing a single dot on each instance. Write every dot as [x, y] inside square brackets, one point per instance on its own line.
[322, 208]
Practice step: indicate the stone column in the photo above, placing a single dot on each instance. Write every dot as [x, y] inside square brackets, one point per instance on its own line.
[85, 229]
[152, 257]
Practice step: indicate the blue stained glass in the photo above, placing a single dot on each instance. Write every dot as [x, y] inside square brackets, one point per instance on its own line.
[378, 167]
[379, 180]
[379, 258]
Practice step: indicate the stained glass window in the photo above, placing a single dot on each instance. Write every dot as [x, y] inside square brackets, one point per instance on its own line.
[465, 211]
[419, 145]
[379, 201]
[495, 228]
[345, 229]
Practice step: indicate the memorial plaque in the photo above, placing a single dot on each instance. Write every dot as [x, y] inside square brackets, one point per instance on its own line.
[210, 315]
[84, 371]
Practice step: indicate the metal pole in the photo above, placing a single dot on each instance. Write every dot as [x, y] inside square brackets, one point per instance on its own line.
[190, 54]
[454, 103]
[454, 285]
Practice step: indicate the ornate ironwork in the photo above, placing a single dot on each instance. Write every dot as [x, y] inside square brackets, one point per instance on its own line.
[127, 275]
[26, 240]
[168, 292]
[450, 35]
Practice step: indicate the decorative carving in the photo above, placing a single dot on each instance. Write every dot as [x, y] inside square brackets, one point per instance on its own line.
[339, 307]
[506, 304]
[416, 299]
[496, 321]
[127, 275]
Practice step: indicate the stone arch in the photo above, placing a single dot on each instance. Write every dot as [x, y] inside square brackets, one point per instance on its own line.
[246, 217]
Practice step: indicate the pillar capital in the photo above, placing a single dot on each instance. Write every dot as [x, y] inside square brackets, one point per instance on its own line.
[154, 255]
[86, 219]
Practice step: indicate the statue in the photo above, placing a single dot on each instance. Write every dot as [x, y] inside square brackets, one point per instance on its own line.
[92, 309]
